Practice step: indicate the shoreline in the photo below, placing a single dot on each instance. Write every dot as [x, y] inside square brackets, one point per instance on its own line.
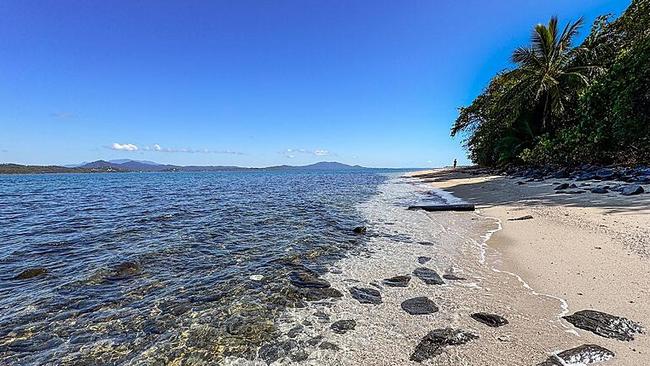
[588, 250]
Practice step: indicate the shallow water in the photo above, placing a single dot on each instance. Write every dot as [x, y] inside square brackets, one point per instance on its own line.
[156, 268]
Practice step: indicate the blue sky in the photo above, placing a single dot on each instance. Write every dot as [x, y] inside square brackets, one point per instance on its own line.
[254, 83]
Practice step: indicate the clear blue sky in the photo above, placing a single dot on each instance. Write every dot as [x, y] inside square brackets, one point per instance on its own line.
[253, 83]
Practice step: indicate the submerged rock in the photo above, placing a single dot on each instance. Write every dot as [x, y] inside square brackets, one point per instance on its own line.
[419, 306]
[317, 294]
[328, 346]
[274, 351]
[342, 326]
[632, 190]
[605, 325]
[360, 230]
[398, 281]
[599, 190]
[491, 320]
[31, 273]
[434, 343]
[428, 276]
[423, 260]
[366, 295]
[586, 354]
[305, 279]
[125, 270]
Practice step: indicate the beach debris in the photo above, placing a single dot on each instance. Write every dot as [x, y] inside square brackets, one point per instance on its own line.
[605, 325]
[423, 260]
[453, 277]
[343, 326]
[360, 230]
[398, 281]
[328, 346]
[599, 190]
[30, 273]
[419, 306]
[428, 243]
[491, 320]
[521, 218]
[435, 341]
[632, 190]
[586, 354]
[428, 276]
[366, 295]
[256, 277]
[307, 279]
[449, 207]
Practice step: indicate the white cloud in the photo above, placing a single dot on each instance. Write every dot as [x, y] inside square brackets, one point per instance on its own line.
[158, 148]
[124, 147]
[291, 153]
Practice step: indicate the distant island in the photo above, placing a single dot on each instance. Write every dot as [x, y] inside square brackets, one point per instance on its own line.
[127, 165]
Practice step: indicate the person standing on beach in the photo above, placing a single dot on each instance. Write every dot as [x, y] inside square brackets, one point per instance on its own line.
[455, 162]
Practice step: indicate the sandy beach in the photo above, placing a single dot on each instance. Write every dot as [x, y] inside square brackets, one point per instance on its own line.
[592, 250]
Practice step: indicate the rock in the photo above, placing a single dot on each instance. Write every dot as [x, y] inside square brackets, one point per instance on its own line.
[398, 281]
[31, 273]
[561, 174]
[273, 351]
[423, 260]
[419, 306]
[491, 320]
[329, 346]
[433, 344]
[561, 186]
[586, 354]
[521, 218]
[293, 332]
[521, 183]
[426, 243]
[605, 174]
[366, 295]
[428, 276]
[605, 325]
[586, 176]
[571, 191]
[599, 190]
[453, 277]
[125, 270]
[317, 294]
[306, 279]
[632, 190]
[359, 230]
[342, 326]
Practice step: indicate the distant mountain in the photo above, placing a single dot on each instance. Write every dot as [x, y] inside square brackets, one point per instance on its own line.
[127, 165]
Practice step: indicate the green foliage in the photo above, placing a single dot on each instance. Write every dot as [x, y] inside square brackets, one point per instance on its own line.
[568, 105]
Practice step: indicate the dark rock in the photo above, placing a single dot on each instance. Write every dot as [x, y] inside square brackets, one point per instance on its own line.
[571, 191]
[426, 243]
[521, 218]
[423, 260]
[521, 183]
[360, 230]
[305, 279]
[125, 270]
[31, 273]
[433, 344]
[632, 190]
[491, 320]
[274, 351]
[605, 325]
[599, 190]
[561, 186]
[293, 332]
[317, 294]
[561, 174]
[342, 326]
[586, 176]
[419, 306]
[605, 174]
[398, 281]
[586, 354]
[428, 276]
[315, 340]
[452, 277]
[329, 346]
[366, 295]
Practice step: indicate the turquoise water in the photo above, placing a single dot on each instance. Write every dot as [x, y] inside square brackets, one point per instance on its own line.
[155, 267]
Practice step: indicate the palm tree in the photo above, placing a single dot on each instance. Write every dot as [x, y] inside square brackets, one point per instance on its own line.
[549, 69]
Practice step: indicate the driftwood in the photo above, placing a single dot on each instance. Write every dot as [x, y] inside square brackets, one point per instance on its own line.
[454, 207]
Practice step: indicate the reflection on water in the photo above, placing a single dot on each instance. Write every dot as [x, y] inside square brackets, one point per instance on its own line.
[124, 268]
